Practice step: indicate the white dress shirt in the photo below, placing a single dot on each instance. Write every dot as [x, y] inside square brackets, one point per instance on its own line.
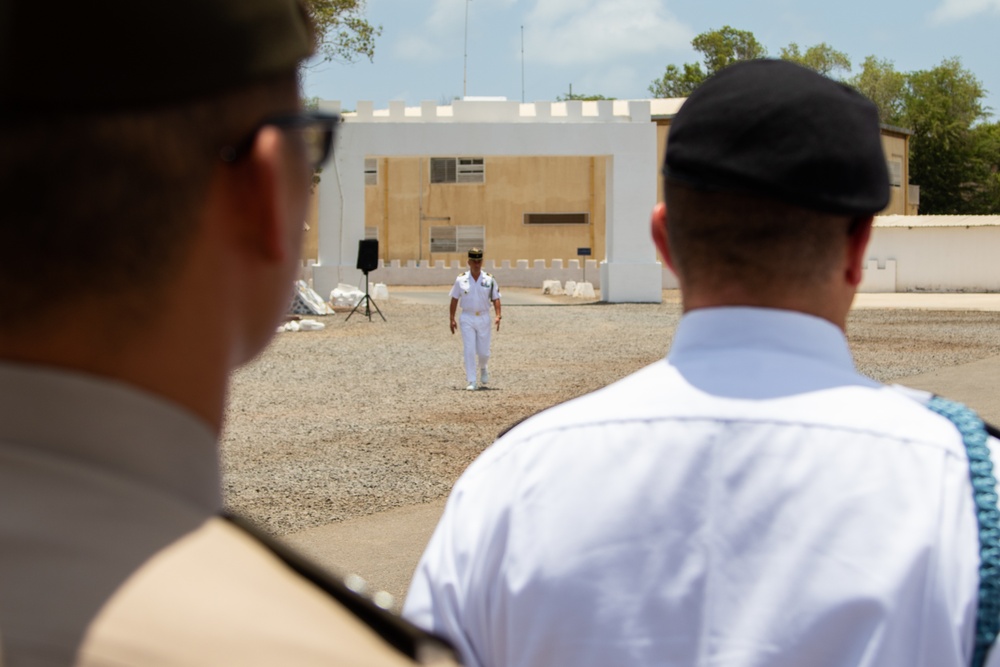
[475, 296]
[750, 501]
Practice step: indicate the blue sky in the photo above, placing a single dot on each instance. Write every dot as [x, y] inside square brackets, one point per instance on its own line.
[617, 47]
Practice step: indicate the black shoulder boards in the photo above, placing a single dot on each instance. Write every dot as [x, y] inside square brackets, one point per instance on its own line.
[416, 643]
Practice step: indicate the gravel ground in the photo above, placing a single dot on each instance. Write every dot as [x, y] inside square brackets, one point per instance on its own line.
[365, 416]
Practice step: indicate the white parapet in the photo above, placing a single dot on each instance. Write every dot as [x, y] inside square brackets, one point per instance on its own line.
[439, 272]
[878, 279]
[365, 111]
[639, 111]
[500, 111]
[330, 106]
[397, 110]
[428, 111]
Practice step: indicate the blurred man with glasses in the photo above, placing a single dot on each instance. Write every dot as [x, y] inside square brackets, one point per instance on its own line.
[154, 157]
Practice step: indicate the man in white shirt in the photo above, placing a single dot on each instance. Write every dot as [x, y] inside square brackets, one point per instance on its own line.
[751, 500]
[476, 292]
[154, 172]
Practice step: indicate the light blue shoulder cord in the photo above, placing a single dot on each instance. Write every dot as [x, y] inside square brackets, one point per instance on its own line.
[984, 493]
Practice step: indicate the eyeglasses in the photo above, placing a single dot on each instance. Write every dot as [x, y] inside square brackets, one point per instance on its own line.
[318, 132]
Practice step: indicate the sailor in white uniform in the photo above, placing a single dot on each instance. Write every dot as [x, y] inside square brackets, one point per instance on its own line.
[475, 291]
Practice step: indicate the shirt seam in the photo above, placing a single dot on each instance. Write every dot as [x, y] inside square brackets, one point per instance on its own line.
[513, 442]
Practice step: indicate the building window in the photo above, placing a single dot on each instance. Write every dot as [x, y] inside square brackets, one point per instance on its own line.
[458, 170]
[458, 238]
[371, 171]
[895, 172]
[556, 218]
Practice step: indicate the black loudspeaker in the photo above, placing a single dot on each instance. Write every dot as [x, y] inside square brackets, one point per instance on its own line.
[368, 255]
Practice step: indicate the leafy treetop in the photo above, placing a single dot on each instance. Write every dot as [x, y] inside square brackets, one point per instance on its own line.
[344, 32]
[954, 151]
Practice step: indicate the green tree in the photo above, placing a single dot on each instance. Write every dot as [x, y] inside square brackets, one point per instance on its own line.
[344, 32]
[879, 81]
[986, 137]
[726, 46]
[986, 143]
[821, 58]
[675, 83]
[586, 98]
[941, 107]
[718, 48]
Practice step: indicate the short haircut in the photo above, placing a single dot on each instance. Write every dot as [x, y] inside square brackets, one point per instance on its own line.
[103, 206]
[721, 239]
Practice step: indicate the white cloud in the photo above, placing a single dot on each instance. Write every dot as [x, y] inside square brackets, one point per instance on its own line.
[575, 32]
[956, 10]
[416, 47]
[436, 36]
[446, 15]
[621, 81]
[421, 41]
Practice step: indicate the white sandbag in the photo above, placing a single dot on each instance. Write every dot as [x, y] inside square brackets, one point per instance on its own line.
[306, 301]
[553, 287]
[345, 296]
[311, 325]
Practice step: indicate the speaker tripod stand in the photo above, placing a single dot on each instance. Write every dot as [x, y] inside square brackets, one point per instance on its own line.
[369, 302]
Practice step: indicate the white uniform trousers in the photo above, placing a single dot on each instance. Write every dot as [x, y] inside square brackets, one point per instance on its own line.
[476, 330]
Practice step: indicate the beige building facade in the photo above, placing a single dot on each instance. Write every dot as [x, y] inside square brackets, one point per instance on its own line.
[529, 207]
[523, 207]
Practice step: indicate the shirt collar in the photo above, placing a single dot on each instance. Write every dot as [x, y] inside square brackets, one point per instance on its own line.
[744, 352]
[110, 425]
[765, 329]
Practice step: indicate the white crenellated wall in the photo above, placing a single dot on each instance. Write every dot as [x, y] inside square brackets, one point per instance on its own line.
[908, 254]
[623, 132]
[934, 254]
[521, 274]
[879, 278]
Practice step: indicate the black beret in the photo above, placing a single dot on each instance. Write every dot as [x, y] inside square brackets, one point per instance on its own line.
[777, 129]
[113, 55]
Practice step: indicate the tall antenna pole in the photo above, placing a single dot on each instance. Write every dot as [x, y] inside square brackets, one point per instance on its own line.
[522, 64]
[465, 60]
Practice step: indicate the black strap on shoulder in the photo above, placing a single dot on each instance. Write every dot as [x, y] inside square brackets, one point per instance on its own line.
[418, 644]
[992, 430]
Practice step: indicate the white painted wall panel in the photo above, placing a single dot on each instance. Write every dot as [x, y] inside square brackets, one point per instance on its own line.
[940, 259]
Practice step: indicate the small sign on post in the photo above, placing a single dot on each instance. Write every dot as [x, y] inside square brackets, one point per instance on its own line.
[583, 252]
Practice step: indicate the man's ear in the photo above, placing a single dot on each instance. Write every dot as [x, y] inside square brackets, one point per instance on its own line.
[857, 243]
[658, 226]
[263, 192]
